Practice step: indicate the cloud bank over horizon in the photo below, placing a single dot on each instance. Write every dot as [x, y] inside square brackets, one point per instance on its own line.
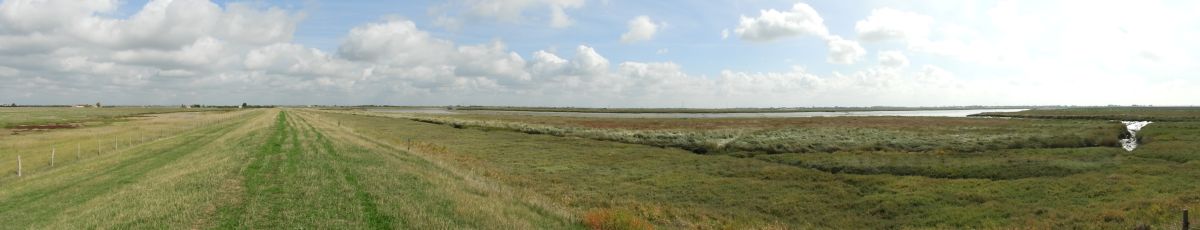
[577, 53]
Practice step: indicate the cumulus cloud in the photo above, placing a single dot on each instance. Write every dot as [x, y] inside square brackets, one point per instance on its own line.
[453, 13]
[396, 42]
[588, 62]
[194, 51]
[772, 24]
[892, 59]
[641, 28]
[842, 51]
[390, 61]
[890, 24]
[796, 82]
[802, 20]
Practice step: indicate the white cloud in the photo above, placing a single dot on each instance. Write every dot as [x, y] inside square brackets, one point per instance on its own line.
[453, 13]
[842, 51]
[6, 71]
[892, 59]
[22, 16]
[490, 60]
[194, 51]
[547, 64]
[205, 51]
[641, 28]
[589, 63]
[772, 24]
[890, 24]
[395, 42]
[742, 84]
[295, 59]
[559, 18]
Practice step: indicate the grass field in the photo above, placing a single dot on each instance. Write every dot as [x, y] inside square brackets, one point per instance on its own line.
[300, 168]
[1110, 113]
[806, 135]
[719, 110]
[10, 117]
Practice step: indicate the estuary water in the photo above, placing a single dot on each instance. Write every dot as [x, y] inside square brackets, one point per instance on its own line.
[1130, 143]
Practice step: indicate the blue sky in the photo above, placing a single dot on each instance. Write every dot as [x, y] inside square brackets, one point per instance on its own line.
[691, 39]
[609, 53]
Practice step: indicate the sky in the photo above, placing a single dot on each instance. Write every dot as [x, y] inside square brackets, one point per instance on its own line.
[600, 53]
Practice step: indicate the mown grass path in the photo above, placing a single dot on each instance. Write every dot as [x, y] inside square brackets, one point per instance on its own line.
[309, 174]
[289, 183]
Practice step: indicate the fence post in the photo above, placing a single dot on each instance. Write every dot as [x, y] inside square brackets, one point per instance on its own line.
[1185, 220]
[18, 165]
[53, 151]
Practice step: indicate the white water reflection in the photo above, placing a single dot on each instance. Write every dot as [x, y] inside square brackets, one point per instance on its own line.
[910, 113]
[1130, 143]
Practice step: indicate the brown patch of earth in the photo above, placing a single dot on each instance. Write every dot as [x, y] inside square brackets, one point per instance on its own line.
[17, 129]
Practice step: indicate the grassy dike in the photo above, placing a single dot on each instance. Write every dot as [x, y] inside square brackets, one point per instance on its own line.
[263, 169]
[311, 176]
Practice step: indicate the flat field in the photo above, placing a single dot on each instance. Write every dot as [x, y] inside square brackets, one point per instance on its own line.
[302, 168]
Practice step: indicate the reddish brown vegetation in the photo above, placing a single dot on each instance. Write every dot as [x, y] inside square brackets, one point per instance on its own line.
[28, 128]
[609, 219]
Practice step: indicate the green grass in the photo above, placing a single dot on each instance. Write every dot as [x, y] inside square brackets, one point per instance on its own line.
[10, 117]
[1036, 187]
[259, 169]
[807, 135]
[299, 168]
[717, 110]
[1110, 113]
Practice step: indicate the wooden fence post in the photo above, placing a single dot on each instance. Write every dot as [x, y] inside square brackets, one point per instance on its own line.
[1185, 220]
[53, 151]
[18, 165]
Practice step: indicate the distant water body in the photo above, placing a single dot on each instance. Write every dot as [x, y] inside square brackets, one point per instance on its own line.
[911, 113]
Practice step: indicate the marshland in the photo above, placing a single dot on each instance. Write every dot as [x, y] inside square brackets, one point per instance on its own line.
[373, 168]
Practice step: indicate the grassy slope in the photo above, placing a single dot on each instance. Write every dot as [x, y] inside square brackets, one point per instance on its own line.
[1093, 187]
[262, 170]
